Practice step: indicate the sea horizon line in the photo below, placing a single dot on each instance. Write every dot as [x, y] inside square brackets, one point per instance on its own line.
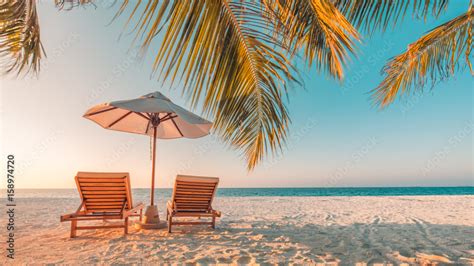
[297, 187]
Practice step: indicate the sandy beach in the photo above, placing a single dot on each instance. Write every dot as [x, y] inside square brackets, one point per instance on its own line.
[301, 230]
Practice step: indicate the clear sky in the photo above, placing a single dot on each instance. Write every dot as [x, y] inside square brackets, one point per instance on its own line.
[337, 138]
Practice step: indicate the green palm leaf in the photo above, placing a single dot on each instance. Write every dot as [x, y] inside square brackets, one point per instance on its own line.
[372, 15]
[226, 58]
[318, 27]
[436, 55]
[70, 4]
[20, 45]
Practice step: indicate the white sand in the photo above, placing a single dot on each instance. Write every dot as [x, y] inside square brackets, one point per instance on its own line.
[307, 230]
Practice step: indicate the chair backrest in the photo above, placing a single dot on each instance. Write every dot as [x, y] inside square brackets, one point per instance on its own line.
[104, 192]
[194, 193]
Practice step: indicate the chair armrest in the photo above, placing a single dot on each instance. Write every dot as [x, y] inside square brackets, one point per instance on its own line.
[66, 217]
[216, 213]
[169, 206]
[133, 210]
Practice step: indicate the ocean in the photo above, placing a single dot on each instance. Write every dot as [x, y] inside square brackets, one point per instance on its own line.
[270, 192]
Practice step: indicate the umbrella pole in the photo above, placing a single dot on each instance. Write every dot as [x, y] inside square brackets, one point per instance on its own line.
[153, 168]
[151, 219]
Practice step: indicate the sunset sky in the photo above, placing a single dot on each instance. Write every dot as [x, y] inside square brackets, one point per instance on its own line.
[337, 138]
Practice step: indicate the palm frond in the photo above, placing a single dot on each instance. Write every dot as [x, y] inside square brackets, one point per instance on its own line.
[372, 15]
[436, 55]
[317, 26]
[70, 4]
[226, 57]
[20, 45]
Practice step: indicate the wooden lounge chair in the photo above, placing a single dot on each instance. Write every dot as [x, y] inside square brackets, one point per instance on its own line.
[192, 197]
[104, 196]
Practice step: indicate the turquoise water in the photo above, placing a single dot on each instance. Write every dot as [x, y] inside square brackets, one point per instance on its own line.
[272, 192]
[373, 191]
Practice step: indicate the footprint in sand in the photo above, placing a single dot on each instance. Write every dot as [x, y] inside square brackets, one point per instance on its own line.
[224, 260]
[244, 260]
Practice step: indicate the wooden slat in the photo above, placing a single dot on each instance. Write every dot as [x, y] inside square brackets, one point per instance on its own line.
[201, 186]
[188, 178]
[103, 188]
[104, 200]
[196, 195]
[197, 184]
[191, 223]
[94, 218]
[182, 203]
[98, 213]
[96, 207]
[129, 192]
[193, 193]
[105, 215]
[188, 201]
[178, 197]
[193, 214]
[103, 193]
[181, 198]
[100, 184]
[89, 206]
[205, 182]
[102, 174]
[191, 210]
[185, 206]
[118, 203]
[101, 180]
[196, 187]
[186, 185]
[191, 196]
[103, 208]
[87, 197]
[99, 227]
[96, 204]
[191, 204]
[195, 190]
[103, 196]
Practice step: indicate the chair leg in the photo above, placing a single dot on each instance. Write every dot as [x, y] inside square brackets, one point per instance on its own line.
[213, 222]
[167, 214]
[125, 229]
[141, 215]
[73, 228]
[170, 222]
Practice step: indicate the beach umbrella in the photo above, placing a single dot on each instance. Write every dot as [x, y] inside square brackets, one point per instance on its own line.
[154, 115]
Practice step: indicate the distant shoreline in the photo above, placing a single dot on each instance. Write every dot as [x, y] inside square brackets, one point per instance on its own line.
[343, 187]
[275, 192]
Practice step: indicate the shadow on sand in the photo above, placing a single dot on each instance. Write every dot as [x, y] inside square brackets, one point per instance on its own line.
[263, 242]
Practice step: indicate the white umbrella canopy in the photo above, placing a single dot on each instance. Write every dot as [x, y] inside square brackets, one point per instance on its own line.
[155, 115]
[141, 115]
